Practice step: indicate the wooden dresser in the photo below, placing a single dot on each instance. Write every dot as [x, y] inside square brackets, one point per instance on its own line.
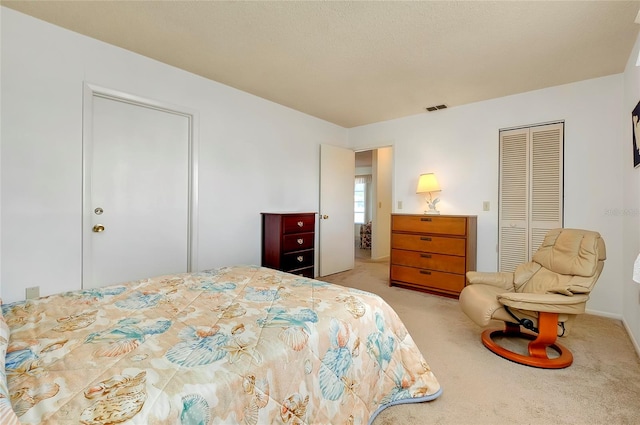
[288, 241]
[432, 252]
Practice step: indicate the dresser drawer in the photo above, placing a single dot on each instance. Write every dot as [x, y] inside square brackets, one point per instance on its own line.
[297, 260]
[442, 282]
[306, 272]
[424, 260]
[436, 244]
[298, 223]
[430, 224]
[297, 242]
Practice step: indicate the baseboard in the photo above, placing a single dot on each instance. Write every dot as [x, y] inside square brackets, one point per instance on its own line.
[604, 314]
[624, 324]
[633, 340]
[379, 259]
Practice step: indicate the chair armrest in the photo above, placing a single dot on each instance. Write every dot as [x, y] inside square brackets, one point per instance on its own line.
[502, 280]
[549, 303]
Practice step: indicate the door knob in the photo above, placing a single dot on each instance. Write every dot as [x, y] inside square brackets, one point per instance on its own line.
[98, 228]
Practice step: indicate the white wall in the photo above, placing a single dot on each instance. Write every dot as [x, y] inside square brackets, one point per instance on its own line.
[1, 10]
[460, 145]
[631, 205]
[254, 155]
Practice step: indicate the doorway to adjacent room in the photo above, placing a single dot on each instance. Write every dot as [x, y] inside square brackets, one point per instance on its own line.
[372, 203]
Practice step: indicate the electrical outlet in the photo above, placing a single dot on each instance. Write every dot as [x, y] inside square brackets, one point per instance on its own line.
[486, 206]
[33, 292]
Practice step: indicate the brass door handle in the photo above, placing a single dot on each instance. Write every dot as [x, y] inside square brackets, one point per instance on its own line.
[98, 228]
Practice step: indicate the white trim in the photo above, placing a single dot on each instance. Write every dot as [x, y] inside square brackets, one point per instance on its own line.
[635, 344]
[91, 90]
[633, 340]
[520, 127]
[603, 314]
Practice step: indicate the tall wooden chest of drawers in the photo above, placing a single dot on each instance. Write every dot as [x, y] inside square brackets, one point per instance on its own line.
[288, 241]
[432, 252]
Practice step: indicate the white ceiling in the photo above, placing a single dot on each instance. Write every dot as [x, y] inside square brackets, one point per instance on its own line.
[354, 63]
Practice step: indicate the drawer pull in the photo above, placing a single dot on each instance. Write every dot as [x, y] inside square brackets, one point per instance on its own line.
[425, 238]
[300, 258]
[425, 272]
[300, 223]
[425, 218]
[300, 241]
[425, 255]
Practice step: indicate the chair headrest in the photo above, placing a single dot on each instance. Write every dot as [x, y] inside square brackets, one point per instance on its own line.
[571, 252]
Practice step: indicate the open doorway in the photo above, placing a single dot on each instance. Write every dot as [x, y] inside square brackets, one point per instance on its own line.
[372, 203]
[363, 204]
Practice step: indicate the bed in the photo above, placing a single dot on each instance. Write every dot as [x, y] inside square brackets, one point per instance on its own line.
[238, 344]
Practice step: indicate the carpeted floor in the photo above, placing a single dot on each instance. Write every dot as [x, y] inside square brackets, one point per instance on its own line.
[602, 386]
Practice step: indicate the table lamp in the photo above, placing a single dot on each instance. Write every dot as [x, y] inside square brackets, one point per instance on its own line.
[427, 183]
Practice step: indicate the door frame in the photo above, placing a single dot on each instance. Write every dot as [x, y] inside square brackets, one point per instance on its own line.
[89, 92]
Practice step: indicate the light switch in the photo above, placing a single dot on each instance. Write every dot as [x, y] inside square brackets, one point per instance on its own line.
[486, 206]
[399, 205]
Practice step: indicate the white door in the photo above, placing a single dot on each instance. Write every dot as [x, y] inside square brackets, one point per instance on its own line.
[137, 185]
[337, 172]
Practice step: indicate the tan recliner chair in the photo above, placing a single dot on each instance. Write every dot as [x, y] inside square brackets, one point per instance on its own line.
[543, 296]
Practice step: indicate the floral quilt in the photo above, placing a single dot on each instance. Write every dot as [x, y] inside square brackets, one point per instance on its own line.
[234, 345]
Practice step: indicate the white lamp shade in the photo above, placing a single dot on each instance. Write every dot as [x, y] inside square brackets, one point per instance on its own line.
[428, 183]
[636, 270]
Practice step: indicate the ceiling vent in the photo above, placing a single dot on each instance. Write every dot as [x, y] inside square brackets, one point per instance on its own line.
[435, 108]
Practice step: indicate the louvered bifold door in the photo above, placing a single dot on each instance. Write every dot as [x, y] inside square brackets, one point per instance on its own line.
[513, 213]
[546, 182]
[531, 191]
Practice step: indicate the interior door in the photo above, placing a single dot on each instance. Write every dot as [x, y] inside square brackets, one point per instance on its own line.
[337, 171]
[531, 191]
[136, 219]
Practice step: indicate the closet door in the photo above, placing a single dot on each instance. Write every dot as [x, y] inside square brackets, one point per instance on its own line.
[513, 206]
[530, 193]
[138, 189]
[546, 183]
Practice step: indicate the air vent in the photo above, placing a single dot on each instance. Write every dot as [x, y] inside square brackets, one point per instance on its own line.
[435, 108]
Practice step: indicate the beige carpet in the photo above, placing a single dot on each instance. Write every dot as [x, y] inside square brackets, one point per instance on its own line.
[602, 386]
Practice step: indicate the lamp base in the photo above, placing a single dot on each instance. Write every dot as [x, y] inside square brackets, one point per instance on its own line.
[432, 212]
